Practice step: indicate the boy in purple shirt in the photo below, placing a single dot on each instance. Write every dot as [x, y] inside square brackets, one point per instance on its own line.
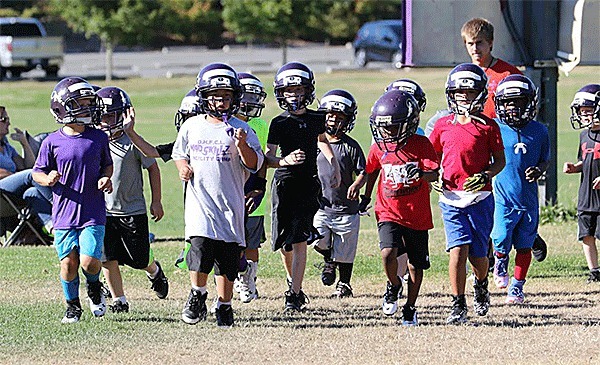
[75, 161]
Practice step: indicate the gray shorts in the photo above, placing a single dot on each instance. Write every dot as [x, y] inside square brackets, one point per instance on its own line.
[340, 234]
[255, 232]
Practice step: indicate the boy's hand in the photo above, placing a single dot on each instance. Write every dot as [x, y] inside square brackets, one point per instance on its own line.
[596, 183]
[533, 173]
[476, 182]
[186, 172]
[413, 172]
[253, 200]
[296, 157]
[129, 120]
[363, 206]
[569, 168]
[156, 211]
[353, 192]
[105, 184]
[437, 186]
[53, 177]
[240, 136]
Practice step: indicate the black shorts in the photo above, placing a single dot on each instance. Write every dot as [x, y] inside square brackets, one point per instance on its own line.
[206, 253]
[412, 242]
[126, 240]
[294, 205]
[588, 224]
[255, 232]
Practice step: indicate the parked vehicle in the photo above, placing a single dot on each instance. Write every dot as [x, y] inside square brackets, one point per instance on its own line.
[24, 45]
[379, 40]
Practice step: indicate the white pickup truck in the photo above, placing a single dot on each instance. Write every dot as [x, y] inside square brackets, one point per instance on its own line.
[24, 45]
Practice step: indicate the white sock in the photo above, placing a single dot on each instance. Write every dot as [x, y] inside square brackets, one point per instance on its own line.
[220, 303]
[153, 275]
[121, 299]
[201, 289]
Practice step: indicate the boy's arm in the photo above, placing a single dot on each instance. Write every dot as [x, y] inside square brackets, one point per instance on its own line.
[325, 147]
[156, 208]
[573, 168]
[138, 141]
[104, 183]
[365, 199]
[44, 179]
[247, 154]
[184, 169]
[354, 189]
[294, 158]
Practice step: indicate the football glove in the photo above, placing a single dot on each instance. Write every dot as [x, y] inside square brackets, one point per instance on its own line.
[476, 182]
[363, 205]
[413, 172]
[533, 173]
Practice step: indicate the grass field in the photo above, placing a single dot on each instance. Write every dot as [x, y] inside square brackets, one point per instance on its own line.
[559, 324]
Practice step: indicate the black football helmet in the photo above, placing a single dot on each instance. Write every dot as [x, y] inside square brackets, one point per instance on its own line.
[294, 74]
[466, 76]
[115, 102]
[253, 100]
[343, 102]
[412, 88]
[218, 76]
[516, 101]
[190, 106]
[588, 96]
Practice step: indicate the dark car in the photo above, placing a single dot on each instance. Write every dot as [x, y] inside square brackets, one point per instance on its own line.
[380, 40]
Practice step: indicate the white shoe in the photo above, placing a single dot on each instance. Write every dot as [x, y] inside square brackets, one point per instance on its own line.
[390, 299]
[213, 307]
[97, 301]
[247, 283]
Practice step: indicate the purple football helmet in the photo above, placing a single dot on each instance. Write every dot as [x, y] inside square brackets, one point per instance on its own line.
[218, 76]
[190, 106]
[394, 118]
[343, 102]
[294, 74]
[74, 100]
[516, 100]
[115, 102]
[412, 88]
[466, 76]
[588, 96]
[253, 100]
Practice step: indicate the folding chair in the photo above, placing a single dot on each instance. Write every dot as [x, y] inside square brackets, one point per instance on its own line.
[11, 206]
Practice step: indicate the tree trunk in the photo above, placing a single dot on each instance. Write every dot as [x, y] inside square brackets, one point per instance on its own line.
[109, 60]
[284, 49]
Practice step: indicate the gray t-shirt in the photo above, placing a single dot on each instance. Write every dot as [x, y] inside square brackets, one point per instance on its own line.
[352, 163]
[127, 197]
[214, 196]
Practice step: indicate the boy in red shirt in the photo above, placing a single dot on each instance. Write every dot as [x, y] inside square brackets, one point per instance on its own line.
[470, 147]
[407, 163]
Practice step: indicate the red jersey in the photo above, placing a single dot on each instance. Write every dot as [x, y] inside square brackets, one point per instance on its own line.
[495, 74]
[401, 200]
[466, 149]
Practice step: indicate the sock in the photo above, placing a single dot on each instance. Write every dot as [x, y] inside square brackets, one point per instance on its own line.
[91, 278]
[220, 303]
[201, 289]
[522, 261]
[499, 255]
[345, 271]
[243, 263]
[121, 299]
[153, 275]
[326, 254]
[70, 288]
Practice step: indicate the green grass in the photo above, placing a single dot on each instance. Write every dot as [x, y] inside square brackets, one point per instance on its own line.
[156, 101]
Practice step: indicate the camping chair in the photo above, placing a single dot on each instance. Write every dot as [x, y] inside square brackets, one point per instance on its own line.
[11, 207]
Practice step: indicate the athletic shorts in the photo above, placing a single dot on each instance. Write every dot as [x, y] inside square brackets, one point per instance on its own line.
[340, 234]
[588, 224]
[513, 228]
[407, 240]
[469, 226]
[255, 232]
[126, 241]
[294, 205]
[88, 241]
[206, 253]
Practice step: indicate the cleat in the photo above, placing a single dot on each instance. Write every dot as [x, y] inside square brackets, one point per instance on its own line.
[73, 313]
[515, 292]
[481, 302]
[295, 301]
[342, 290]
[247, 284]
[160, 284]
[328, 273]
[409, 316]
[224, 316]
[458, 315]
[594, 276]
[213, 307]
[119, 307]
[390, 299]
[97, 301]
[195, 308]
[501, 272]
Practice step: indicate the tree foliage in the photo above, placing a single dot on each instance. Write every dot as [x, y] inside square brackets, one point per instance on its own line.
[191, 21]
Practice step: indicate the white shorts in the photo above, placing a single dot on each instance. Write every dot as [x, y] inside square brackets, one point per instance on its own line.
[340, 234]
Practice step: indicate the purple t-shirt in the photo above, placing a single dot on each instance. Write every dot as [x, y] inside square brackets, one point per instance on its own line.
[80, 159]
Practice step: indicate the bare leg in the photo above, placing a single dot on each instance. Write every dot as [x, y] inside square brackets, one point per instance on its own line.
[298, 265]
[224, 288]
[286, 257]
[590, 251]
[457, 269]
[402, 265]
[480, 267]
[112, 273]
[414, 285]
[390, 265]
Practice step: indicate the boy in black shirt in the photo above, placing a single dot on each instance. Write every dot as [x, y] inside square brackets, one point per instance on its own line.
[299, 133]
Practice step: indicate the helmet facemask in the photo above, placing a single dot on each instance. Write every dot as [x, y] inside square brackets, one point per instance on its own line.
[112, 123]
[83, 110]
[515, 111]
[253, 101]
[585, 109]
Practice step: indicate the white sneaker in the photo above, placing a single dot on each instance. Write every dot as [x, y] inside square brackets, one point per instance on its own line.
[213, 307]
[97, 300]
[390, 299]
[247, 283]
